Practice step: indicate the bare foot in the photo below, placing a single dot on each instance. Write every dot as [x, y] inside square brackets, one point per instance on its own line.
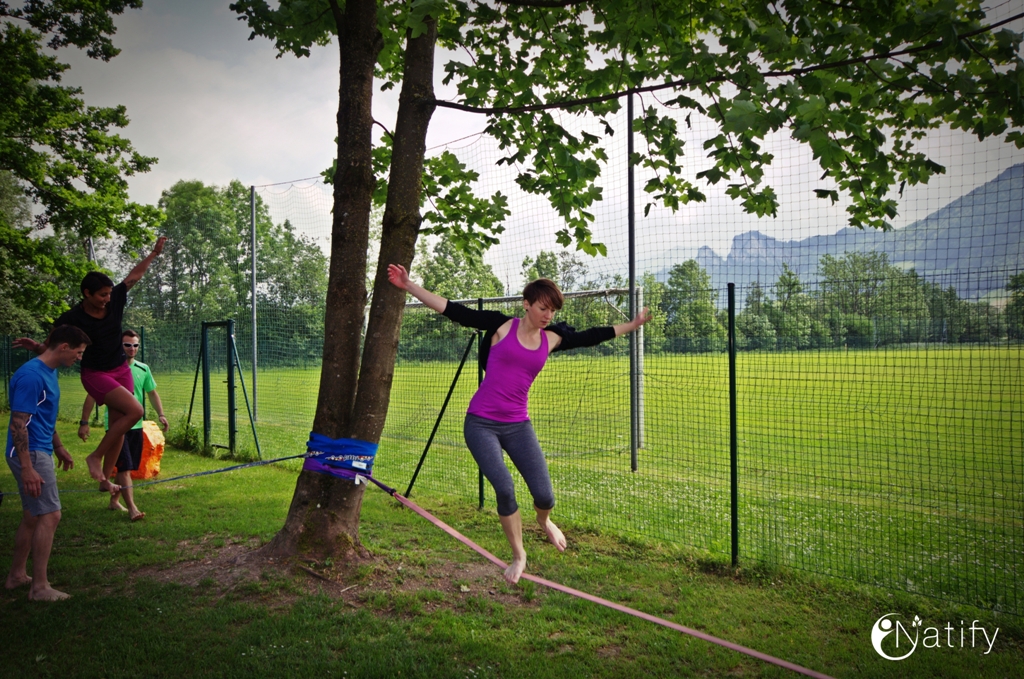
[136, 515]
[16, 582]
[109, 487]
[115, 504]
[515, 570]
[47, 593]
[555, 535]
[95, 465]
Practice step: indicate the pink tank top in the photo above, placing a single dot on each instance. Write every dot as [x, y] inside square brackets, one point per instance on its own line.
[511, 369]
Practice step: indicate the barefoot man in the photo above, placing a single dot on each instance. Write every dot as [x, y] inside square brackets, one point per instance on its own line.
[32, 443]
[106, 375]
[131, 451]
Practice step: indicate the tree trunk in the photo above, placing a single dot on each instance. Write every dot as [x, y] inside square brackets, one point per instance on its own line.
[398, 235]
[323, 519]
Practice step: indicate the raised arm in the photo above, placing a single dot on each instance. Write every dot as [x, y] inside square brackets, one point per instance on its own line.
[565, 338]
[399, 277]
[135, 275]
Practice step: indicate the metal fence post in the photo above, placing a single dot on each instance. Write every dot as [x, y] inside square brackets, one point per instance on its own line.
[733, 451]
[204, 352]
[252, 262]
[640, 425]
[479, 379]
[634, 417]
[232, 424]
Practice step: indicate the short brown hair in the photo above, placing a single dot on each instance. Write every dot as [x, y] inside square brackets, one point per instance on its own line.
[544, 290]
[128, 332]
[67, 334]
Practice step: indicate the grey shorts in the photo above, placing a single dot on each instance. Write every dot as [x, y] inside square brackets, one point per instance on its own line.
[48, 500]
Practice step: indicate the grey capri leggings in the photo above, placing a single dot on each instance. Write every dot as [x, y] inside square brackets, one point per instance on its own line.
[486, 438]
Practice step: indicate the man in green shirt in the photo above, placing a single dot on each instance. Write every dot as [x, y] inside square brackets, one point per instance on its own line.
[131, 450]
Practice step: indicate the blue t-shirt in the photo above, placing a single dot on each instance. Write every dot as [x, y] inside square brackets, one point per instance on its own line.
[34, 390]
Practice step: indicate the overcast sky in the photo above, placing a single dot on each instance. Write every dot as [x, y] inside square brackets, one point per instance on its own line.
[215, 106]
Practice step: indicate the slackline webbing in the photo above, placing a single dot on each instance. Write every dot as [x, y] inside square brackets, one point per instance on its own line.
[501, 564]
[142, 484]
[590, 597]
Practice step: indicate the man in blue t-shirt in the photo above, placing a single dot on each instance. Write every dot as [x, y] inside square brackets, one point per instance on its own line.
[32, 443]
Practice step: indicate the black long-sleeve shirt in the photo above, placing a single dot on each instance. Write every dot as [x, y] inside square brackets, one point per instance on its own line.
[490, 321]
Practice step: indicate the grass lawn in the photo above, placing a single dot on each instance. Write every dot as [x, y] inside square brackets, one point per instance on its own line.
[181, 593]
[896, 467]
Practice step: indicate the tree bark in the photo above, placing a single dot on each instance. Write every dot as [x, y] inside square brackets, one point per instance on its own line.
[323, 519]
[398, 236]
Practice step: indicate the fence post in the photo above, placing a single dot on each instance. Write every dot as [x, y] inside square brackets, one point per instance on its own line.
[479, 379]
[734, 486]
[634, 417]
[640, 426]
[232, 424]
[252, 262]
[204, 353]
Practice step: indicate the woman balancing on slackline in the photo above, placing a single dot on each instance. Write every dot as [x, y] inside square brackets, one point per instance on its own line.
[106, 375]
[513, 352]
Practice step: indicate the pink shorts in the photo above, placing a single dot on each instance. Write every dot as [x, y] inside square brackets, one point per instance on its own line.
[99, 383]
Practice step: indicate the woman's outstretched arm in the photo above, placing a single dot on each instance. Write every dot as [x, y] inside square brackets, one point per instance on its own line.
[399, 277]
[626, 328]
[567, 338]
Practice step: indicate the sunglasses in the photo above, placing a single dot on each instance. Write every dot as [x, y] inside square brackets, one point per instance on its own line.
[129, 344]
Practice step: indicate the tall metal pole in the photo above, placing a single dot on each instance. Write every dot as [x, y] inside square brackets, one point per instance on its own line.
[733, 441]
[232, 408]
[633, 416]
[205, 358]
[252, 249]
[479, 379]
[640, 426]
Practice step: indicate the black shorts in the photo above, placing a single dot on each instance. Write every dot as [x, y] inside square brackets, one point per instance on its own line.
[131, 452]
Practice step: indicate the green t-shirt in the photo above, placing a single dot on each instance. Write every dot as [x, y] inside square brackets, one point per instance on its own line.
[144, 383]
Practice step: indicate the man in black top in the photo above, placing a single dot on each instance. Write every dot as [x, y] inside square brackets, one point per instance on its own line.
[106, 375]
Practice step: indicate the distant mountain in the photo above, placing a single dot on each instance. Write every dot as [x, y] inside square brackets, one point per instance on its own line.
[974, 244]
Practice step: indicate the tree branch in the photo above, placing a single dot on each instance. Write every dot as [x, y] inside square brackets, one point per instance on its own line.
[339, 17]
[553, 4]
[721, 78]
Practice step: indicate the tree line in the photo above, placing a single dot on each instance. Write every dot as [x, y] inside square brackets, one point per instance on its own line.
[860, 300]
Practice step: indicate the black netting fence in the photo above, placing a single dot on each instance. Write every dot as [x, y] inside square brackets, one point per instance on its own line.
[879, 399]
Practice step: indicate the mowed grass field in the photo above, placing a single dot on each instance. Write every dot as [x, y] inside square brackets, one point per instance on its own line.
[898, 467]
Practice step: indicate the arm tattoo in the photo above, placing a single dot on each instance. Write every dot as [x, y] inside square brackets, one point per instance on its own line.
[19, 430]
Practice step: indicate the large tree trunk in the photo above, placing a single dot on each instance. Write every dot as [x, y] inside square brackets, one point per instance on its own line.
[323, 519]
[398, 235]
